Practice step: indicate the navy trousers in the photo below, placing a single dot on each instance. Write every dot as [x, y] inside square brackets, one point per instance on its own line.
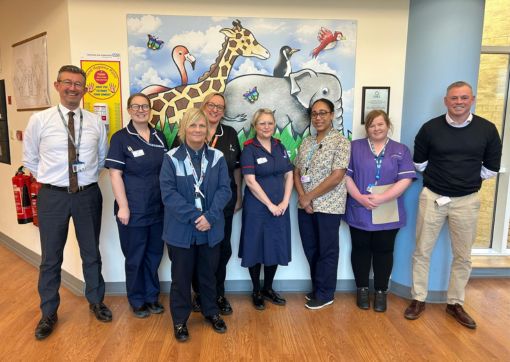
[55, 209]
[184, 261]
[319, 236]
[142, 247]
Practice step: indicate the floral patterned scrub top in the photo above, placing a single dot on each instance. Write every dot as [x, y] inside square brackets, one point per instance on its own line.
[318, 160]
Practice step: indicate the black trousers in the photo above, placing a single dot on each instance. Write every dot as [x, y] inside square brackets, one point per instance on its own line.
[225, 254]
[55, 209]
[372, 248]
[184, 261]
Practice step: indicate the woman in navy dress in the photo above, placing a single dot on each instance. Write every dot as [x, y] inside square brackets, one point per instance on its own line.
[134, 159]
[265, 233]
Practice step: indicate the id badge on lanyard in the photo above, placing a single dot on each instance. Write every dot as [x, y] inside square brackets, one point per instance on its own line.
[198, 181]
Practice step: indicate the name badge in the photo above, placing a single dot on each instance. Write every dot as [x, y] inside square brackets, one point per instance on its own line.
[443, 200]
[198, 203]
[369, 188]
[305, 179]
[78, 166]
[138, 153]
[261, 160]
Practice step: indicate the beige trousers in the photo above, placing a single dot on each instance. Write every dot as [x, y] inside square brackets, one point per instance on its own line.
[462, 216]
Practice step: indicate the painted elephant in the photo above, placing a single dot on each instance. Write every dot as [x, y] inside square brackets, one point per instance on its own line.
[288, 97]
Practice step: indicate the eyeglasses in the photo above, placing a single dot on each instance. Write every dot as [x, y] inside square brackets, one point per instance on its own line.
[210, 106]
[69, 83]
[137, 107]
[320, 114]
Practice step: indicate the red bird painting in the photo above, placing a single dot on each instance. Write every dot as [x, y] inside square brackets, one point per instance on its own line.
[327, 40]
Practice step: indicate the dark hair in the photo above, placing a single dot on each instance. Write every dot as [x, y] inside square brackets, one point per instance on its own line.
[72, 69]
[328, 103]
[369, 118]
[130, 99]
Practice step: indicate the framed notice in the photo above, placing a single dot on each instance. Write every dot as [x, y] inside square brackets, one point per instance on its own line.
[374, 98]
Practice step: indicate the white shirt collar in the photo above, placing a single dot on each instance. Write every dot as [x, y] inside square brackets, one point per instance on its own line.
[452, 123]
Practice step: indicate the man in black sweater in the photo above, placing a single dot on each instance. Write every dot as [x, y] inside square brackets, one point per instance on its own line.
[455, 152]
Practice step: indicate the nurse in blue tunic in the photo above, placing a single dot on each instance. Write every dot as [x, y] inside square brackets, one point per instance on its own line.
[265, 233]
[134, 159]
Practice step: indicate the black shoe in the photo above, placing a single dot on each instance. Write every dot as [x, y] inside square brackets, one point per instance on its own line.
[273, 297]
[101, 312]
[141, 312]
[362, 299]
[217, 323]
[224, 306]
[195, 303]
[309, 296]
[181, 332]
[258, 300]
[155, 308]
[45, 326]
[380, 301]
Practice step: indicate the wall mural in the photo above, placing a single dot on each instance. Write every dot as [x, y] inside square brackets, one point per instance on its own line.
[281, 64]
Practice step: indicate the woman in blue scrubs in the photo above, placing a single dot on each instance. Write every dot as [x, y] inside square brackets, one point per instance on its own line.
[134, 160]
[265, 233]
[195, 188]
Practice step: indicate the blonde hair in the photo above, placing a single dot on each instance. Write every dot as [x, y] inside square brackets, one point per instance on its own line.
[208, 98]
[191, 116]
[259, 113]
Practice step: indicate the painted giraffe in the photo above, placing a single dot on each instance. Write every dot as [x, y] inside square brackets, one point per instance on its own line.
[169, 106]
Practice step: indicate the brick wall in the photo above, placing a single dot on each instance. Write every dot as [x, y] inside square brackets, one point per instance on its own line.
[491, 98]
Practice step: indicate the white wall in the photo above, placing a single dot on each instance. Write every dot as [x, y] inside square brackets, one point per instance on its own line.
[49, 16]
[100, 26]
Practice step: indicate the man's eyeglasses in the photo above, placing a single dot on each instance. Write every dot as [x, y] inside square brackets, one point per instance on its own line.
[137, 107]
[68, 83]
[210, 106]
[320, 114]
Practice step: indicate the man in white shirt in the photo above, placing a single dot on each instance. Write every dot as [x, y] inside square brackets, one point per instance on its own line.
[64, 148]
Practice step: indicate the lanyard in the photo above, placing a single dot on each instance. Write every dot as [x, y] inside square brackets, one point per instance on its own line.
[310, 154]
[71, 136]
[378, 159]
[216, 136]
[198, 181]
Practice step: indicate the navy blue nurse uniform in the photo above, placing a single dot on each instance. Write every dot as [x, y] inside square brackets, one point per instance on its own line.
[265, 238]
[141, 242]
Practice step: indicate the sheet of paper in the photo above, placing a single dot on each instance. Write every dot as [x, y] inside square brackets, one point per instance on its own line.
[387, 212]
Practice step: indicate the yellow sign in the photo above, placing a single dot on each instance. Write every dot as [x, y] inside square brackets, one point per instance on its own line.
[103, 95]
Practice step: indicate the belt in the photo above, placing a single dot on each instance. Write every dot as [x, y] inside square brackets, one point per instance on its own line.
[66, 188]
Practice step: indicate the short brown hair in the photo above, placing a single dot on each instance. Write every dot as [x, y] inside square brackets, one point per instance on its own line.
[72, 69]
[130, 99]
[373, 115]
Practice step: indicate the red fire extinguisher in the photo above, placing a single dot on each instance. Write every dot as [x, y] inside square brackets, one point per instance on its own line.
[21, 186]
[34, 191]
